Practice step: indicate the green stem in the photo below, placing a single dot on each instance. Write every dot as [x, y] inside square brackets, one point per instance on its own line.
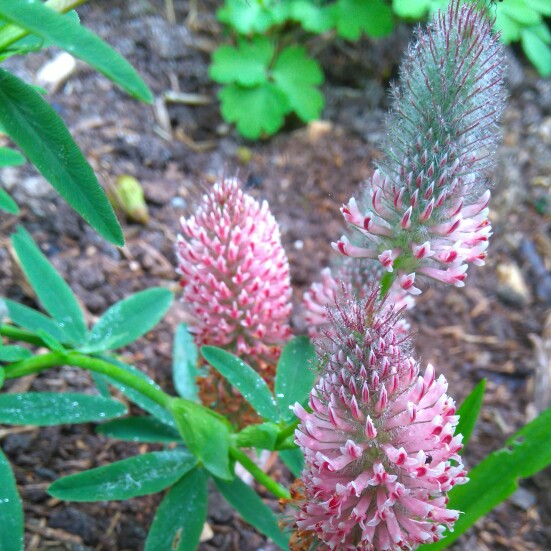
[268, 482]
[55, 359]
[10, 33]
[20, 335]
[287, 431]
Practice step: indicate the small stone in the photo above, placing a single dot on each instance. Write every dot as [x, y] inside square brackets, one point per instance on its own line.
[512, 288]
[523, 498]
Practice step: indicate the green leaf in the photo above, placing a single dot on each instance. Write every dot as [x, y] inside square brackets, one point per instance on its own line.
[184, 364]
[293, 460]
[256, 110]
[11, 509]
[179, 521]
[7, 203]
[249, 505]
[263, 436]
[127, 320]
[408, 9]
[39, 131]
[246, 65]
[45, 409]
[495, 478]
[32, 320]
[139, 429]
[469, 411]
[54, 294]
[147, 404]
[78, 41]
[313, 18]
[537, 51]
[205, 434]
[247, 16]
[354, 17]
[509, 28]
[14, 353]
[296, 75]
[2, 377]
[520, 12]
[295, 375]
[245, 379]
[11, 157]
[543, 6]
[140, 475]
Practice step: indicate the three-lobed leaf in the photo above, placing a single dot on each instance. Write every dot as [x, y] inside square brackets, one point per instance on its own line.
[140, 475]
[249, 505]
[127, 320]
[354, 17]
[42, 135]
[184, 364]
[253, 17]
[245, 379]
[179, 520]
[11, 509]
[51, 408]
[52, 291]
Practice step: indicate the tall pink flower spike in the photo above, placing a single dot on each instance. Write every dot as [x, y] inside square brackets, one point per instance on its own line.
[424, 212]
[379, 446]
[235, 274]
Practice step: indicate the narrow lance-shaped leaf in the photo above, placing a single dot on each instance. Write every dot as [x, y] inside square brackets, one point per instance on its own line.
[184, 364]
[245, 379]
[41, 133]
[54, 294]
[11, 509]
[140, 475]
[469, 411]
[7, 203]
[51, 408]
[10, 157]
[180, 518]
[139, 429]
[68, 35]
[128, 319]
[249, 505]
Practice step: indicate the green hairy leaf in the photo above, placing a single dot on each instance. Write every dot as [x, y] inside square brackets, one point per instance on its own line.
[245, 379]
[41, 133]
[179, 521]
[11, 509]
[52, 291]
[249, 505]
[68, 35]
[128, 319]
[139, 429]
[140, 475]
[51, 408]
[184, 364]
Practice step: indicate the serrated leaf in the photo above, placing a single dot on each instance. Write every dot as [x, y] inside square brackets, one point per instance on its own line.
[297, 75]
[255, 111]
[54, 294]
[179, 521]
[246, 17]
[140, 475]
[294, 375]
[496, 477]
[11, 509]
[469, 410]
[263, 436]
[139, 429]
[32, 320]
[41, 133]
[44, 409]
[246, 65]
[206, 435]
[7, 203]
[520, 12]
[293, 460]
[411, 10]
[245, 379]
[354, 17]
[184, 364]
[14, 353]
[249, 505]
[127, 320]
[78, 41]
[312, 17]
[537, 51]
[11, 157]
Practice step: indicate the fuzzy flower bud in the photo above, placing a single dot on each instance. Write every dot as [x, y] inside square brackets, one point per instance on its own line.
[353, 278]
[425, 209]
[379, 446]
[235, 274]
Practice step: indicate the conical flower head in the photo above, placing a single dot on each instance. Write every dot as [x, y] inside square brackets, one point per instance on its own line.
[352, 277]
[379, 446]
[235, 274]
[424, 211]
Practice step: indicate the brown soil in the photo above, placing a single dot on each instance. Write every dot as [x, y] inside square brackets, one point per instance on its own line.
[497, 327]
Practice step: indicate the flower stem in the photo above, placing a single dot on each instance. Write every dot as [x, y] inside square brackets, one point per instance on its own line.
[285, 432]
[20, 335]
[55, 359]
[267, 481]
